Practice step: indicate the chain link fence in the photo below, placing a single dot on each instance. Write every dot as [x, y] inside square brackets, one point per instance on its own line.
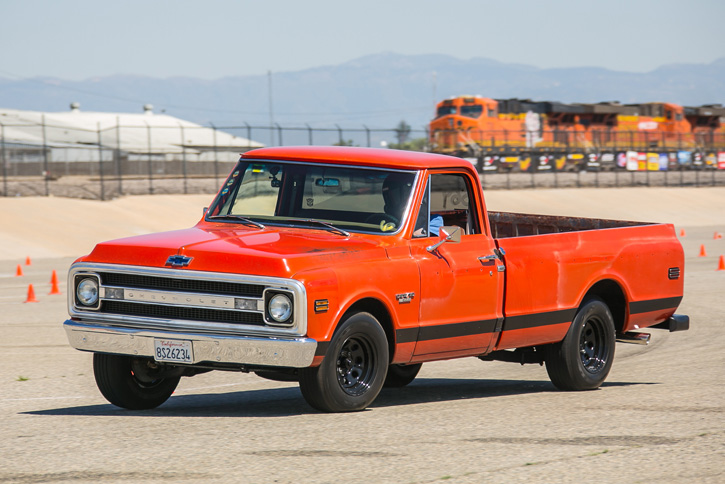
[102, 163]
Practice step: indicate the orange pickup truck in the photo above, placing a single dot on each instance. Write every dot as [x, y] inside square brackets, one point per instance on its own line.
[345, 269]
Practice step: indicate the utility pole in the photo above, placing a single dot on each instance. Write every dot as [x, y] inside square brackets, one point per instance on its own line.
[271, 109]
[435, 89]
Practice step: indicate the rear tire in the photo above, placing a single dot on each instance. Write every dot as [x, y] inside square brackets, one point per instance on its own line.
[583, 359]
[353, 371]
[401, 375]
[132, 383]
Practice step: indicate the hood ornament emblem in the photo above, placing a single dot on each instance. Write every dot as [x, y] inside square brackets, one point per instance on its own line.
[178, 261]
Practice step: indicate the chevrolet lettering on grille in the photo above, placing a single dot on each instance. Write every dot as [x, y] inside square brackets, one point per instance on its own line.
[178, 261]
[179, 299]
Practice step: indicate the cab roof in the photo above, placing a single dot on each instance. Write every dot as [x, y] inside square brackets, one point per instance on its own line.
[345, 155]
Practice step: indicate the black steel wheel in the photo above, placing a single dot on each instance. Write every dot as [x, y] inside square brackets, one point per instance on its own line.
[583, 359]
[401, 375]
[133, 383]
[353, 371]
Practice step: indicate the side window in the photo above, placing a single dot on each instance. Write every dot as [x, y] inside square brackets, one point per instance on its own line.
[422, 228]
[447, 202]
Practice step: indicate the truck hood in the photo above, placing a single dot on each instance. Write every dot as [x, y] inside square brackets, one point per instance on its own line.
[273, 251]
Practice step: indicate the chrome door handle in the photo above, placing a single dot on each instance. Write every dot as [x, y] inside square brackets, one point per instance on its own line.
[496, 256]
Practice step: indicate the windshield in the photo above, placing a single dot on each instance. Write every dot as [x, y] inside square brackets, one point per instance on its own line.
[472, 110]
[446, 109]
[346, 198]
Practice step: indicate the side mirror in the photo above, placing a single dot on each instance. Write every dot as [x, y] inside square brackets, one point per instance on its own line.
[206, 209]
[447, 233]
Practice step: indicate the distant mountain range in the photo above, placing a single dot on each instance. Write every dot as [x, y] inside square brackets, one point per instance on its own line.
[377, 91]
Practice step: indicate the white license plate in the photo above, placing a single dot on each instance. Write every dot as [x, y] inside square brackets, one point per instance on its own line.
[173, 350]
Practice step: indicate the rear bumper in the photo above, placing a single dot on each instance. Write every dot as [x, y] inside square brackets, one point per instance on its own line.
[224, 349]
[677, 322]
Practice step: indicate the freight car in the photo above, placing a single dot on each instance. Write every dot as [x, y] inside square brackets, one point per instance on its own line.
[520, 134]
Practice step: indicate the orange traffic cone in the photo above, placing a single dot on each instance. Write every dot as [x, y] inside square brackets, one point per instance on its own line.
[717, 235]
[702, 251]
[682, 232]
[54, 284]
[27, 261]
[19, 271]
[31, 294]
[721, 265]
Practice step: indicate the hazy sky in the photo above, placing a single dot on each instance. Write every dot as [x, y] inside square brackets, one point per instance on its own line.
[79, 39]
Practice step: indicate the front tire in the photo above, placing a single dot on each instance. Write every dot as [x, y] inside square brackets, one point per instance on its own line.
[583, 359]
[132, 383]
[353, 371]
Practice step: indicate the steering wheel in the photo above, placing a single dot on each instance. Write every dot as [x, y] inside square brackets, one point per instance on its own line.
[387, 223]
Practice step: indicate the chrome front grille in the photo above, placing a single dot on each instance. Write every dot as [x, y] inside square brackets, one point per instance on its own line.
[183, 313]
[176, 299]
[139, 281]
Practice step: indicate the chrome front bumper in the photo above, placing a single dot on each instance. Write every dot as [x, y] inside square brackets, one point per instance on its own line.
[243, 350]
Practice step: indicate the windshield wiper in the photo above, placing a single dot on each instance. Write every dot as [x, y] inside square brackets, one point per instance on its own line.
[325, 226]
[241, 218]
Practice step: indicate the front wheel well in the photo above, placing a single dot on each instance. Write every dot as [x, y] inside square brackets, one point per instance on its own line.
[380, 312]
[611, 293]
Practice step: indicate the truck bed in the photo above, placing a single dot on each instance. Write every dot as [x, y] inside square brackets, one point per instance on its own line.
[552, 261]
[508, 224]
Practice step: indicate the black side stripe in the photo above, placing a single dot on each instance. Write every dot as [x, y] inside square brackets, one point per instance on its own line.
[442, 331]
[535, 320]
[469, 328]
[637, 307]
[322, 348]
[406, 335]
[454, 330]
[524, 321]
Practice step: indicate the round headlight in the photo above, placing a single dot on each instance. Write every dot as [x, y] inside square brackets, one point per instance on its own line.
[280, 308]
[87, 291]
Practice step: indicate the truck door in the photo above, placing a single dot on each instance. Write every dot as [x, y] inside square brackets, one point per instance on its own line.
[461, 296]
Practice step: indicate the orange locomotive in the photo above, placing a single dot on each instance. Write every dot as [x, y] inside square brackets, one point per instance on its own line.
[472, 125]
[345, 269]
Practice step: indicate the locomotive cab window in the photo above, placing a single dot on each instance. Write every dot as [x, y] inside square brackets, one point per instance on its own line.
[474, 111]
[446, 110]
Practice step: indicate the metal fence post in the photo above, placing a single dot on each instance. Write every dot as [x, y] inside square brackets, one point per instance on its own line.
[183, 157]
[713, 173]
[596, 174]
[532, 170]
[647, 169]
[5, 163]
[216, 156]
[309, 134]
[367, 133]
[279, 134]
[339, 132]
[616, 176]
[249, 135]
[45, 156]
[100, 161]
[151, 170]
[119, 169]
[667, 170]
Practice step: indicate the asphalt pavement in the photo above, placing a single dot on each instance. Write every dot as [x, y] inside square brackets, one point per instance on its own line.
[659, 417]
